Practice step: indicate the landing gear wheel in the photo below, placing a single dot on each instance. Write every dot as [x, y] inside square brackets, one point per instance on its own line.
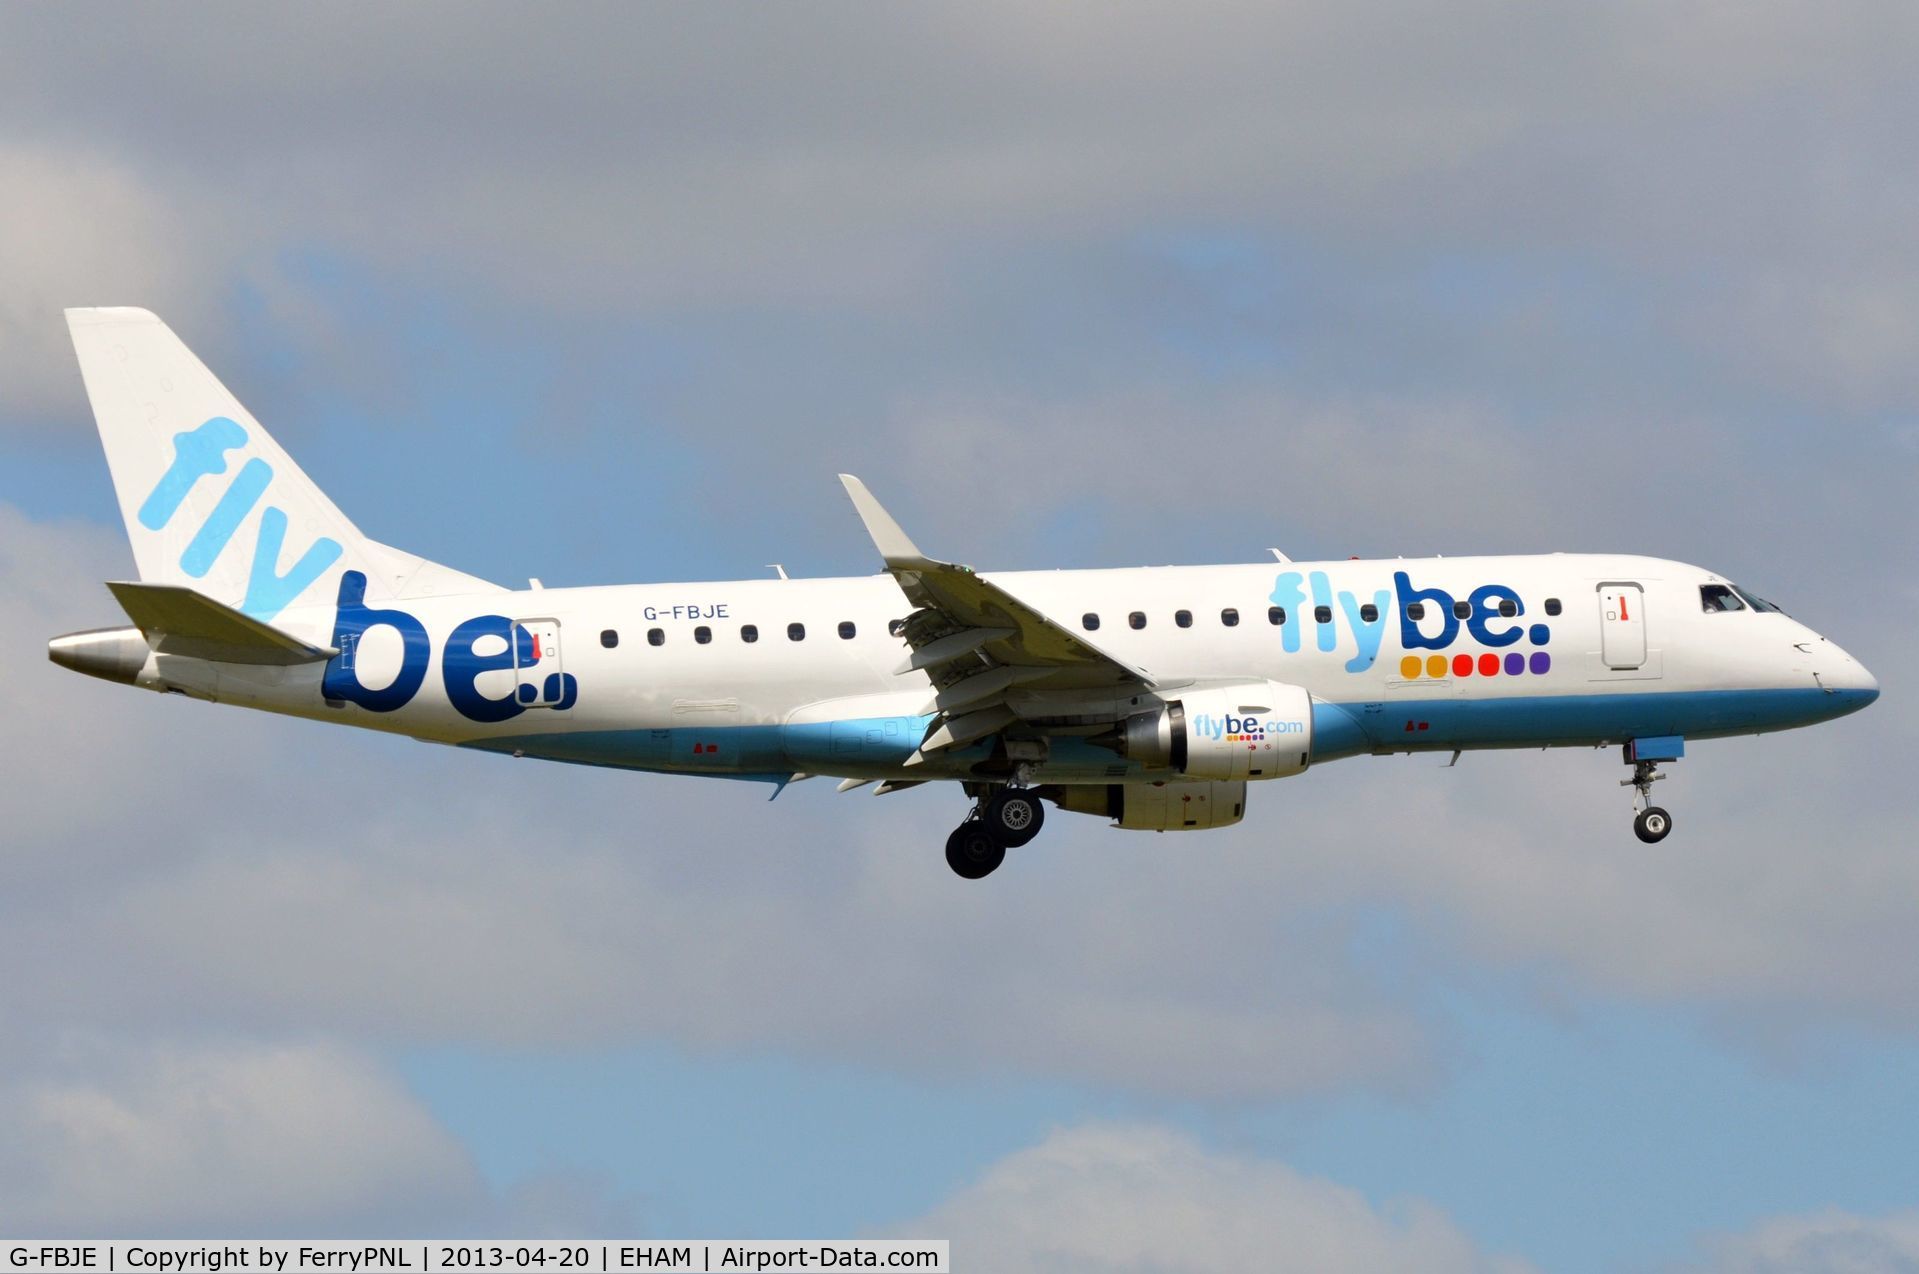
[1652, 824]
[972, 852]
[1014, 816]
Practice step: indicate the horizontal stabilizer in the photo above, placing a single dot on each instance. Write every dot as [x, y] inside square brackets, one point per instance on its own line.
[179, 621]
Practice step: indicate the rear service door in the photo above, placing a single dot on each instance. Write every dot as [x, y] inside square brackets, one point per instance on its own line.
[536, 662]
[1622, 625]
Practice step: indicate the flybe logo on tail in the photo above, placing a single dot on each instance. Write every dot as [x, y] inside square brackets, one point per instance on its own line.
[202, 453]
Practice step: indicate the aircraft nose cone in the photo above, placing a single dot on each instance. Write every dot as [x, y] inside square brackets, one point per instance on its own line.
[1842, 675]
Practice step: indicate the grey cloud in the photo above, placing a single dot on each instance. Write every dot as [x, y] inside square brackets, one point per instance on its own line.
[1745, 175]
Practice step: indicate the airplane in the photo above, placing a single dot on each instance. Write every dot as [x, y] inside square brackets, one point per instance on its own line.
[1152, 697]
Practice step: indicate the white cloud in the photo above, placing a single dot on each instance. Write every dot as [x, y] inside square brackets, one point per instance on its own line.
[1152, 1201]
[80, 227]
[236, 1139]
[1830, 1242]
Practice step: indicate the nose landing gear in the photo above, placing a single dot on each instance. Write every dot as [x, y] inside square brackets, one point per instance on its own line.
[1006, 819]
[1651, 824]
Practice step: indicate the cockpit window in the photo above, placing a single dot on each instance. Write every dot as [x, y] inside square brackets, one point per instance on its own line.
[1758, 603]
[1714, 598]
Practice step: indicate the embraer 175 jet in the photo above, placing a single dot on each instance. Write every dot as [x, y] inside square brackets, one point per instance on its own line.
[1150, 696]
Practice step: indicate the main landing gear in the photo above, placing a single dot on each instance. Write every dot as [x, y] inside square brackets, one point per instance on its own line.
[1651, 824]
[1006, 818]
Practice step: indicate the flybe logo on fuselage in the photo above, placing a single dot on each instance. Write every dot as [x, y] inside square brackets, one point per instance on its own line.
[1430, 619]
[202, 453]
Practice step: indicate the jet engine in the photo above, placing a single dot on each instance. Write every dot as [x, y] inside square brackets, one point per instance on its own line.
[1248, 730]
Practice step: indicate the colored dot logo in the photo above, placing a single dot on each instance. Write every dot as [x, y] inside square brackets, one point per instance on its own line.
[1487, 664]
[1412, 667]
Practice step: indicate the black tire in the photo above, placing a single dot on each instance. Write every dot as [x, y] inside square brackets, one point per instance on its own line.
[1014, 816]
[972, 852]
[1652, 825]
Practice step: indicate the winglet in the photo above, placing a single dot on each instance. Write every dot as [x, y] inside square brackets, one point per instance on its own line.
[888, 538]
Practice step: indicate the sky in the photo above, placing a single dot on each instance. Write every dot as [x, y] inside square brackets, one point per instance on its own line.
[610, 293]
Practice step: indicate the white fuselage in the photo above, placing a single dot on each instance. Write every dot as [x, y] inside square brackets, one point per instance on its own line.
[1557, 649]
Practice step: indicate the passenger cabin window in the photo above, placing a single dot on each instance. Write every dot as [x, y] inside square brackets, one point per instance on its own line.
[1137, 619]
[1369, 614]
[1415, 610]
[1229, 617]
[1463, 610]
[703, 635]
[749, 633]
[609, 638]
[847, 630]
[656, 637]
[1508, 607]
[896, 628]
[1089, 621]
[1552, 606]
[1275, 615]
[1322, 614]
[1184, 618]
[796, 632]
[1717, 598]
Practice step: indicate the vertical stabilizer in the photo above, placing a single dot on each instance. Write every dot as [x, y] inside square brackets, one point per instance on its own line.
[210, 500]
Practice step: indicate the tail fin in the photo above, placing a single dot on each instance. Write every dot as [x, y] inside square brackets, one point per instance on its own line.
[209, 498]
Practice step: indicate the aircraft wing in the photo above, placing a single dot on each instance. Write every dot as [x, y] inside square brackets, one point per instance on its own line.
[977, 641]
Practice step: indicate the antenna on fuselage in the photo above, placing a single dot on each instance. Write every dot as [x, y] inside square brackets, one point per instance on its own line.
[780, 569]
[1280, 557]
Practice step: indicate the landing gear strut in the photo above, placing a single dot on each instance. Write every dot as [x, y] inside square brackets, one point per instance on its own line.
[1006, 819]
[1651, 824]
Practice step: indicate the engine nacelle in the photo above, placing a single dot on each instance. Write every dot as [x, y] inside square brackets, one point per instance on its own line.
[1160, 807]
[1249, 730]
